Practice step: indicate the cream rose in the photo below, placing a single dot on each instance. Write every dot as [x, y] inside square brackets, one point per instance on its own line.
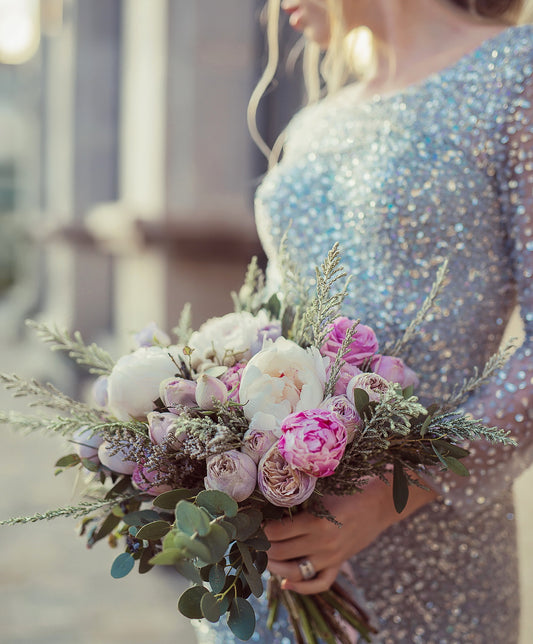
[281, 379]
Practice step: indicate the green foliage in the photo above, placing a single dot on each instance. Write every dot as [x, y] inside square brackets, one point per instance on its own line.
[92, 356]
[122, 565]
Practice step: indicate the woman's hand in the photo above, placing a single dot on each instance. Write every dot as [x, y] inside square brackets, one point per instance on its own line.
[364, 516]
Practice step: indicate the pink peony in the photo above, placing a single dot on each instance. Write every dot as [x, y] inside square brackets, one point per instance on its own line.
[313, 441]
[231, 472]
[394, 370]
[363, 346]
[280, 483]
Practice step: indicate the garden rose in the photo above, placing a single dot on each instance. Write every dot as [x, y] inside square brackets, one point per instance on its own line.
[162, 427]
[313, 441]
[281, 379]
[346, 412]
[256, 442]
[232, 379]
[177, 392]
[86, 443]
[227, 339]
[372, 383]
[143, 480]
[151, 335]
[363, 346]
[116, 462]
[134, 381]
[282, 484]
[394, 370]
[347, 372]
[231, 472]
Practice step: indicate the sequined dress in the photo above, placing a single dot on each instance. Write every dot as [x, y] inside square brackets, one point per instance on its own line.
[443, 169]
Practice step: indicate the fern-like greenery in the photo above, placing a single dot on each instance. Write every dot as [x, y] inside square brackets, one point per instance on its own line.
[92, 356]
[338, 363]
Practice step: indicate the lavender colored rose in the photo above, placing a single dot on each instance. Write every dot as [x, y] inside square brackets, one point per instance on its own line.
[394, 370]
[231, 472]
[177, 392]
[364, 343]
[346, 412]
[280, 483]
[147, 481]
[313, 441]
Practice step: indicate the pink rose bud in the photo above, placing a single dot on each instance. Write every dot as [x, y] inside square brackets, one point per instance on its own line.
[86, 443]
[100, 391]
[143, 479]
[346, 412]
[151, 335]
[374, 385]
[364, 343]
[177, 392]
[209, 391]
[256, 442]
[280, 483]
[313, 441]
[394, 370]
[116, 462]
[164, 427]
[231, 472]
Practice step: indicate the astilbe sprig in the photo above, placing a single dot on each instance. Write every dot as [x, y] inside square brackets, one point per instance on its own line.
[97, 359]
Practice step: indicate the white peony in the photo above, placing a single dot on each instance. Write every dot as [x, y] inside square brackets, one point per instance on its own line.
[281, 379]
[228, 339]
[133, 384]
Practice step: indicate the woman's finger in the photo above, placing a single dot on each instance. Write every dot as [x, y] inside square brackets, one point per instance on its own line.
[289, 528]
[318, 584]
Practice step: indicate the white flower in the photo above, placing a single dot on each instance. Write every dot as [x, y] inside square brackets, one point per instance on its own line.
[133, 384]
[227, 339]
[151, 335]
[281, 379]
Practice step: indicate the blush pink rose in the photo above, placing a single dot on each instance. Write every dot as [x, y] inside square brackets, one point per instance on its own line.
[363, 346]
[394, 370]
[144, 480]
[346, 412]
[280, 483]
[374, 385]
[313, 441]
[347, 372]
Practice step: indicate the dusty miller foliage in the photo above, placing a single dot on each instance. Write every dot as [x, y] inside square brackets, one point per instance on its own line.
[92, 356]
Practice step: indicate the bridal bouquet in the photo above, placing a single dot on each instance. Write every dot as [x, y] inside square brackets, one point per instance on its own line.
[193, 445]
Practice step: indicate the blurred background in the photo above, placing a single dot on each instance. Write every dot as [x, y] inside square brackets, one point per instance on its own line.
[127, 177]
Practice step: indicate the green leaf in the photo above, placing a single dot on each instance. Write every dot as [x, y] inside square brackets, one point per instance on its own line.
[408, 391]
[169, 500]
[188, 570]
[168, 557]
[273, 306]
[108, 525]
[448, 449]
[189, 604]
[258, 541]
[261, 561]
[193, 547]
[120, 486]
[229, 528]
[68, 461]
[211, 608]
[89, 465]
[245, 554]
[425, 425]
[204, 572]
[144, 561]
[141, 517]
[451, 463]
[361, 400]
[217, 541]
[241, 618]
[191, 519]
[247, 523]
[400, 487]
[217, 578]
[254, 580]
[154, 531]
[217, 503]
[122, 565]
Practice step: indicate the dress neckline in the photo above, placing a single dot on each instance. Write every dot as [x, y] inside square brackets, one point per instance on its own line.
[433, 77]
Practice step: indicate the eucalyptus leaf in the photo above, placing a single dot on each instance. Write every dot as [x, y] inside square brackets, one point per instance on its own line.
[217, 503]
[141, 517]
[168, 557]
[254, 580]
[90, 465]
[189, 603]
[192, 520]
[211, 608]
[217, 578]
[204, 572]
[448, 449]
[144, 562]
[400, 487]
[245, 554]
[258, 541]
[154, 531]
[169, 500]
[122, 565]
[241, 618]
[247, 522]
[229, 528]
[108, 525]
[456, 466]
[120, 486]
[68, 461]
[261, 561]
[188, 570]
[217, 541]
[194, 547]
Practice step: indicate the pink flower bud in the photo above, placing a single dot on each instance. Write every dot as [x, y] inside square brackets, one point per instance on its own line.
[394, 370]
[163, 427]
[210, 390]
[116, 462]
[177, 392]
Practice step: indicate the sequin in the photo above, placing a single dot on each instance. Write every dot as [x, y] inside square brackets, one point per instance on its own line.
[441, 170]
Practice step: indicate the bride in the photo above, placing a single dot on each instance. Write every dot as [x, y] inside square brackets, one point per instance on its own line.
[429, 156]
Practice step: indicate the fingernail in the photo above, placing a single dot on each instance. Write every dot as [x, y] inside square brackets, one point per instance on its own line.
[285, 585]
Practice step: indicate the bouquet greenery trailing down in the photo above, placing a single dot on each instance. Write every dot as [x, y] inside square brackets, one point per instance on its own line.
[192, 446]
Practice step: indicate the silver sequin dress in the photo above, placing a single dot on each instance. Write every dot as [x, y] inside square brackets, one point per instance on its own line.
[441, 170]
